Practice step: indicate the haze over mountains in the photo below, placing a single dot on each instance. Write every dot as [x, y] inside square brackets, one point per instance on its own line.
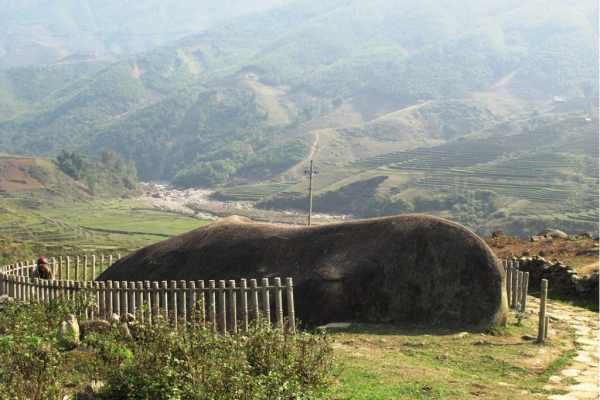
[252, 99]
[41, 32]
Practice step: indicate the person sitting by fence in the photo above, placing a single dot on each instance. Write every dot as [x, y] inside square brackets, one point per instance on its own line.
[42, 271]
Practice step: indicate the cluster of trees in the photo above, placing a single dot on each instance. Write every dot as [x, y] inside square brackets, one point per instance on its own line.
[112, 175]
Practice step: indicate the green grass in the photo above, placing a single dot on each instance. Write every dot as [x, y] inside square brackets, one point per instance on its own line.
[123, 216]
[100, 227]
[390, 362]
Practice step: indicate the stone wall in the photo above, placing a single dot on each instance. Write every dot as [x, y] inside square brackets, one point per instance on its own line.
[561, 278]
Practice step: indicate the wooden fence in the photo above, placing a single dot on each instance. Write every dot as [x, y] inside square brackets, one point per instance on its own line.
[517, 284]
[225, 305]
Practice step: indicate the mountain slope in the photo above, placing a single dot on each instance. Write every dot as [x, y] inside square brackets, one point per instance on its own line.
[247, 99]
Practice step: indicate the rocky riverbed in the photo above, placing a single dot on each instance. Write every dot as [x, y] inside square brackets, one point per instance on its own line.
[196, 202]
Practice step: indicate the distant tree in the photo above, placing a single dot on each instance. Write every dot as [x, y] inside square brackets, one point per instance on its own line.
[108, 158]
[73, 163]
[588, 88]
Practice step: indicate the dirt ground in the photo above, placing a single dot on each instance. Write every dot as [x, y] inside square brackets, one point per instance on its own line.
[14, 174]
[579, 252]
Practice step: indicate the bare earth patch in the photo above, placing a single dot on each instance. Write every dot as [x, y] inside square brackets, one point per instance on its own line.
[14, 174]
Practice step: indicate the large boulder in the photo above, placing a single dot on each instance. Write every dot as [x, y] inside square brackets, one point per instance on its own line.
[553, 233]
[403, 269]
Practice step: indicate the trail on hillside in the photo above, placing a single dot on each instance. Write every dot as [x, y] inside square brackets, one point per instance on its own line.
[291, 173]
[415, 106]
[504, 80]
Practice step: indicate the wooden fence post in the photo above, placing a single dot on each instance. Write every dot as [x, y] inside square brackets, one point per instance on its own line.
[148, 301]
[85, 266]
[117, 299]
[102, 299]
[132, 299]
[96, 291]
[192, 301]
[94, 267]
[509, 278]
[515, 275]
[139, 299]
[173, 303]
[101, 263]
[212, 307]
[525, 290]
[542, 319]
[290, 302]
[164, 297]
[278, 302]
[36, 289]
[222, 308]
[244, 300]
[266, 304]
[76, 268]
[202, 303]
[254, 298]
[109, 299]
[156, 305]
[232, 307]
[124, 297]
[68, 270]
[182, 296]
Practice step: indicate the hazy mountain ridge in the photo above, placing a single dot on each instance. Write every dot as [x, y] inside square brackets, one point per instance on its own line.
[204, 107]
[33, 32]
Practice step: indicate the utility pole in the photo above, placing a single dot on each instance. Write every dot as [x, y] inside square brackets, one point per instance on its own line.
[311, 172]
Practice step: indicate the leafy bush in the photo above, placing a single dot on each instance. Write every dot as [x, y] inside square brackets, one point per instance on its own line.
[161, 362]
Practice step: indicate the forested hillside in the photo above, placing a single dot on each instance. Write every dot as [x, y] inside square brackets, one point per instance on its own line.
[256, 97]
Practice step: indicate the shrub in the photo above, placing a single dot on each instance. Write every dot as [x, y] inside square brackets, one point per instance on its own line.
[161, 362]
[196, 363]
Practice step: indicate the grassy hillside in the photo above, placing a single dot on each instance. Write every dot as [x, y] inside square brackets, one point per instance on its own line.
[540, 177]
[45, 211]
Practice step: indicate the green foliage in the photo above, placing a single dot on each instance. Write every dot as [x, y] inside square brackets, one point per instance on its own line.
[112, 172]
[161, 362]
[34, 363]
[74, 164]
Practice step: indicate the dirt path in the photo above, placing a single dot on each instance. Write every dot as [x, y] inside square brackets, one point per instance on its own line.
[402, 110]
[579, 379]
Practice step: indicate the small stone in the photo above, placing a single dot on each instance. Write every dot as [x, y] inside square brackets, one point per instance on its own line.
[124, 331]
[554, 379]
[127, 317]
[584, 387]
[68, 333]
[570, 372]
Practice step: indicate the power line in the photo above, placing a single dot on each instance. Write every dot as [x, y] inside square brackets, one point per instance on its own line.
[311, 172]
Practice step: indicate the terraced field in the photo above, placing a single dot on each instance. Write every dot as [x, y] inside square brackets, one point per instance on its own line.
[252, 192]
[550, 171]
[110, 222]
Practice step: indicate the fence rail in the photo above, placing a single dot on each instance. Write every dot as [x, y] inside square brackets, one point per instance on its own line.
[225, 305]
